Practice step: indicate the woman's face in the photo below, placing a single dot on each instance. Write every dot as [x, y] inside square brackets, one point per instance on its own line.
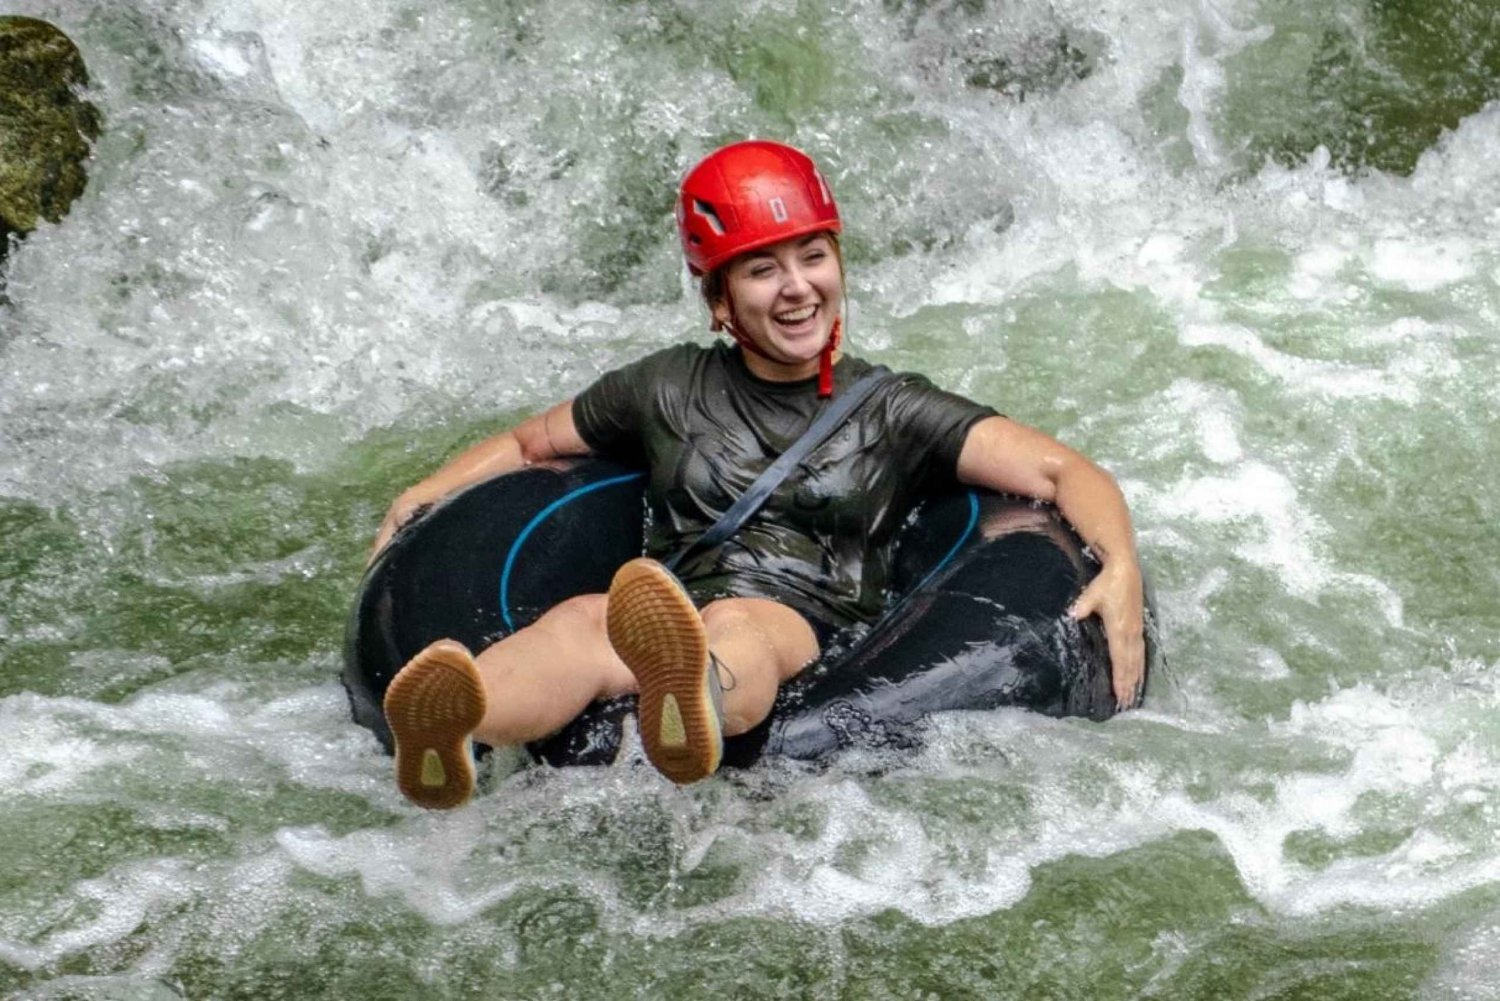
[786, 298]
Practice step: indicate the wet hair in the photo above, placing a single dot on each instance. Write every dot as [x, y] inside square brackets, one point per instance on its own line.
[714, 286]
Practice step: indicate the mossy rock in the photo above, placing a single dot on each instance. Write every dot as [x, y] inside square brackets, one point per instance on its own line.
[45, 128]
[1375, 83]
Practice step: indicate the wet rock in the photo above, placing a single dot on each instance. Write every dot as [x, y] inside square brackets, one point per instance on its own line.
[1375, 83]
[1041, 64]
[1017, 51]
[45, 128]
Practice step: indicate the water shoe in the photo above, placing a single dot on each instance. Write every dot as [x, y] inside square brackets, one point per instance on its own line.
[659, 634]
[433, 705]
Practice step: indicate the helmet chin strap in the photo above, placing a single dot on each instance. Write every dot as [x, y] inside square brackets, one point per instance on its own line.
[825, 357]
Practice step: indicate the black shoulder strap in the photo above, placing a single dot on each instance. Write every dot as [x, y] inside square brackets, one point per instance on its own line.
[827, 422]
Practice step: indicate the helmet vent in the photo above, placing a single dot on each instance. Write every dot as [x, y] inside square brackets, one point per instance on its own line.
[706, 210]
[823, 187]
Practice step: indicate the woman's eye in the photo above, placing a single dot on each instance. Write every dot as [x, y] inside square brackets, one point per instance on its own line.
[761, 272]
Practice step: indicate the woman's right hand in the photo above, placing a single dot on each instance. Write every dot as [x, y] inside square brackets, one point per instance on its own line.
[406, 508]
[548, 435]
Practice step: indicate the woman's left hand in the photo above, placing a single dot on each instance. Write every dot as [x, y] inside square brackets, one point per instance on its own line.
[1116, 596]
[1011, 458]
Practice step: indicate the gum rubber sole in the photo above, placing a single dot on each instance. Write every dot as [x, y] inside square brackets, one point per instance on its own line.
[658, 633]
[433, 705]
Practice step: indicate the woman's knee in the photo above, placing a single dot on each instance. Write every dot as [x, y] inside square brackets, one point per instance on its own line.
[779, 628]
[574, 633]
[576, 617]
[730, 615]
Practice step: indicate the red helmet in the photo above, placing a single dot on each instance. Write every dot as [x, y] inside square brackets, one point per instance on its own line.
[748, 195]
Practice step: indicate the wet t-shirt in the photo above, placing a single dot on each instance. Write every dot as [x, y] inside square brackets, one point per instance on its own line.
[705, 427]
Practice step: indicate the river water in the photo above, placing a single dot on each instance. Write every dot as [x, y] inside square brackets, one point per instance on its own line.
[1241, 253]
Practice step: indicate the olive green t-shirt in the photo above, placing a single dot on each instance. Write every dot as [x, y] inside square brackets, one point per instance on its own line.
[705, 427]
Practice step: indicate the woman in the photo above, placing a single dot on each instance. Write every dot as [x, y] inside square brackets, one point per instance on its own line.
[707, 648]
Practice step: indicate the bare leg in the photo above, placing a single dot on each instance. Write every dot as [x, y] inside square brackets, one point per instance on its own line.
[538, 679]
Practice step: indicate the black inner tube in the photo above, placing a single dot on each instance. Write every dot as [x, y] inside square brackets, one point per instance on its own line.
[978, 617]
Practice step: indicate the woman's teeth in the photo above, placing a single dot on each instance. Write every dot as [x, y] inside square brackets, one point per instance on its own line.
[797, 315]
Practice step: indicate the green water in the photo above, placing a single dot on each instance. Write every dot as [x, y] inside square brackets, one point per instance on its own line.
[1241, 254]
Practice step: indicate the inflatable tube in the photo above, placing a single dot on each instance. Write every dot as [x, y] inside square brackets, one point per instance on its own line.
[977, 620]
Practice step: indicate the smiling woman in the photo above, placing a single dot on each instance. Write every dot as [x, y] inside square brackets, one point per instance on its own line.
[707, 644]
[410, 227]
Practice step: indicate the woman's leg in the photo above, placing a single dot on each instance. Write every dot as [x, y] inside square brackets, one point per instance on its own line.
[529, 685]
[538, 679]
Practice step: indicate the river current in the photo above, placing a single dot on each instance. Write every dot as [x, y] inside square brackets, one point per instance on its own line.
[1239, 252]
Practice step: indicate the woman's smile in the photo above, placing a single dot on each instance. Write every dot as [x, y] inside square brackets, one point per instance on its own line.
[797, 321]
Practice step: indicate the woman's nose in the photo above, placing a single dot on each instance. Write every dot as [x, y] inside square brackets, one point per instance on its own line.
[794, 282]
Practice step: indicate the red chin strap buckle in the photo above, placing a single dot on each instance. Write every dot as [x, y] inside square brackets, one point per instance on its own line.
[825, 360]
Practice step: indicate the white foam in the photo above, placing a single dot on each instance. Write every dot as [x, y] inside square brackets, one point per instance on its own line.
[1459, 168]
[237, 56]
[327, 260]
[1255, 492]
[86, 988]
[1334, 379]
[119, 901]
[1211, 415]
[1422, 265]
[427, 864]
[1470, 968]
[42, 753]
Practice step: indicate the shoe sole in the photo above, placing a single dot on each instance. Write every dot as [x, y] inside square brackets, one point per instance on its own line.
[658, 633]
[432, 705]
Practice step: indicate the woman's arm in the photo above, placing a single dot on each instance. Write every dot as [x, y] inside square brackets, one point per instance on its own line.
[1003, 455]
[549, 435]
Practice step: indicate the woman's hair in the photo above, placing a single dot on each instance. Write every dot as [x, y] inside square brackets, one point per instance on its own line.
[715, 284]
